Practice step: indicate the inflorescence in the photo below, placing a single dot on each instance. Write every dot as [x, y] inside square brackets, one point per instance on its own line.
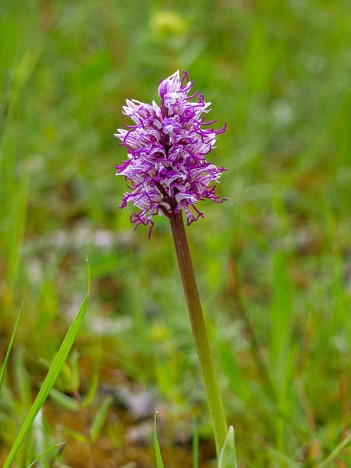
[167, 148]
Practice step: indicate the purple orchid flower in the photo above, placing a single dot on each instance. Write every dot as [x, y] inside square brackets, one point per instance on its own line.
[167, 149]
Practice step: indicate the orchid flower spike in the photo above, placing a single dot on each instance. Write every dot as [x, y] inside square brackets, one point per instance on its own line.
[167, 148]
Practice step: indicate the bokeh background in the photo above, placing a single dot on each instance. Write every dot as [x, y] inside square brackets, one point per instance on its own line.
[273, 262]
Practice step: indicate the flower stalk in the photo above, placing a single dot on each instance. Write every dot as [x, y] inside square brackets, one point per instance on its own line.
[198, 325]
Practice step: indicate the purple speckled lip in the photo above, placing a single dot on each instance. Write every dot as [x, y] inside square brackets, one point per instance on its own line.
[167, 147]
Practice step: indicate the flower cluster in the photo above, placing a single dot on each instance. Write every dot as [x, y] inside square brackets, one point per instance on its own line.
[167, 148]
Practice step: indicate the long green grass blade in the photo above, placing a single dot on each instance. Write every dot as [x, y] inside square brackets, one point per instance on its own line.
[3, 369]
[159, 461]
[335, 452]
[51, 377]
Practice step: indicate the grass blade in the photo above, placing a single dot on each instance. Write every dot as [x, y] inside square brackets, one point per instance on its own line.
[100, 418]
[58, 446]
[3, 369]
[227, 457]
[157, 446]
[335, 452]
[51, 377]
[65, 401]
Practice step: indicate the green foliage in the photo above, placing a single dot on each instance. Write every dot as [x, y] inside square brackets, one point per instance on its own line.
[47, 452]
[227, 457]
[159, 461]
[100, 419]
[336, 452]
[276, 255]
[4, 365]
[50, 379]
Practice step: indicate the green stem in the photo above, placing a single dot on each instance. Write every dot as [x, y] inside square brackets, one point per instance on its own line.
[198, 325]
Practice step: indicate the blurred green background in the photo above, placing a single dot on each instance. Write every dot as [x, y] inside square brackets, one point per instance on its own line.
[273, 262]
